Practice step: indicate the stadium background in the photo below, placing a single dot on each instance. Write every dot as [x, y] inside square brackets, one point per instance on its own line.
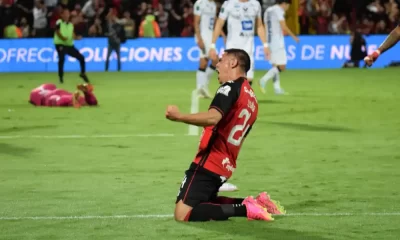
[328, 151]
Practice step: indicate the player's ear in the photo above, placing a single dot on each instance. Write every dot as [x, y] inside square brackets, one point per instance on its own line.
[234, 62]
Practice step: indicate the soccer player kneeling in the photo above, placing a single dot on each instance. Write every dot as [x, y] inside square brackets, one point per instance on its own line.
[228, 121]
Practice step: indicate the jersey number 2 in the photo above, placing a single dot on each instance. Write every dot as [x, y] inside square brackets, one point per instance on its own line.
[240, 127]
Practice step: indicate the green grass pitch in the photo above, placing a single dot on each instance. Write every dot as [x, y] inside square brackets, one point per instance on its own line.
[330, 147]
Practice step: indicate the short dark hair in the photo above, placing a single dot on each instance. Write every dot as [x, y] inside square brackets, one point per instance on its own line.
[242, 57]
[283, 1]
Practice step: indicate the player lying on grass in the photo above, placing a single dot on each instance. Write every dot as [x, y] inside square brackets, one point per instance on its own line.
[389, 42]
[48, 95]
[228, 121]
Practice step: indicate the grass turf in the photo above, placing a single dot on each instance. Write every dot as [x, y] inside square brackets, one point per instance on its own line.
[331, 146]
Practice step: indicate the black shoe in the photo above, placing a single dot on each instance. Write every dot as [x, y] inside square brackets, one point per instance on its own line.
[61, 80]
[84, 77]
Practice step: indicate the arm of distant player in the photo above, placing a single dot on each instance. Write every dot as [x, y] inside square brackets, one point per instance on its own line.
[389, 42]
[261, 34]
[285, 28]
[202, 119]
[197, 31]
[217, 32]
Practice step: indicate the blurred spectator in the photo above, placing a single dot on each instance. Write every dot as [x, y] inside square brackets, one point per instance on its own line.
[162, 18]
[24, 27]
[79, 23]
[381, 27]
[323, 9]
[90, 8]
[188, 30]
[129, 25]
[149, 27]
[7, 16]
[96, 30]
[336, 26]
[303, 14]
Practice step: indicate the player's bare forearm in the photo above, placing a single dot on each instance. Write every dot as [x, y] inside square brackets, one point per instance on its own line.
[261, 33]
[218, 29]
[203, 119]
[391, 40]
[197, 26]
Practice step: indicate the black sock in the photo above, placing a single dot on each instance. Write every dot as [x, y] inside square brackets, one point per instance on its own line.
[251, 83]
[208, 211]
[212, 67]
[227, 200]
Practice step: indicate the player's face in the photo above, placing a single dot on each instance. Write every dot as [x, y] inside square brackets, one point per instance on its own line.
[224, 66]
[66, 15]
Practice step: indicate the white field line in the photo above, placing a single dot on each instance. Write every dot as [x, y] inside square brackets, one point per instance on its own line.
[5, 218]
[85, 136]
[194, 108]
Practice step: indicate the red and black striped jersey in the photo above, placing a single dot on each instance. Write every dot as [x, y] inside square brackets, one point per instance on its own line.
[220, 145]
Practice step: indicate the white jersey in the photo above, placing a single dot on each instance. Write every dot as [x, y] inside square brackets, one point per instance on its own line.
[241, 17]
[272, 17]
[207, 10]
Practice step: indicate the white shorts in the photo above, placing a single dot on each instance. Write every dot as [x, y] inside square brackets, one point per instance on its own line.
[207, 44]
[278, 56]
[204, 53]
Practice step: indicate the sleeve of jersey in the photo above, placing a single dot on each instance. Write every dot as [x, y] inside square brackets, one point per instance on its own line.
[258, 10]
[281, 15]
[224, 99]
[197, 8]
[58, 23]
[224, 13]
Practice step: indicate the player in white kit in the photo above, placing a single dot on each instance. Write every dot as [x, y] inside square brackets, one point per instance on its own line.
[242, 17]
[275, 24]
[205, 12]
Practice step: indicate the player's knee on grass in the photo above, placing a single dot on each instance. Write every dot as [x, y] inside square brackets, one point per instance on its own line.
[181, 211]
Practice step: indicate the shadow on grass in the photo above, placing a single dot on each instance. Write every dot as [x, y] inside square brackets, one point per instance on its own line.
[309, 127]
[25, 128]
[255, 230]
[297, 207]
[269, 101]
[9, 149]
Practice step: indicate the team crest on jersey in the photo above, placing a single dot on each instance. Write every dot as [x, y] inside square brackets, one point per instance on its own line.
[245, 9]
[224, 90]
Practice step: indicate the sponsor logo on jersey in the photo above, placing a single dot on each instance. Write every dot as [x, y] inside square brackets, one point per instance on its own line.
[247, 25]
[250, 92]
[224, 90]
[227, 164]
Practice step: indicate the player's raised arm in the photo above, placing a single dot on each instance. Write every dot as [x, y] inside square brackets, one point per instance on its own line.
[286, 29]
[390, 41]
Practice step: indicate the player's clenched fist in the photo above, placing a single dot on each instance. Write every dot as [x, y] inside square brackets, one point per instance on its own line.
[172, 113]
[370, 59]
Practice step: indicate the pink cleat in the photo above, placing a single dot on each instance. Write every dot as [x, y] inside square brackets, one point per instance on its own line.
[272, 206]
[256, 211]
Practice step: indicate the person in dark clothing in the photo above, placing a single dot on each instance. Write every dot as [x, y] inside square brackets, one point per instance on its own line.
[358, 50]
[113, 32]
